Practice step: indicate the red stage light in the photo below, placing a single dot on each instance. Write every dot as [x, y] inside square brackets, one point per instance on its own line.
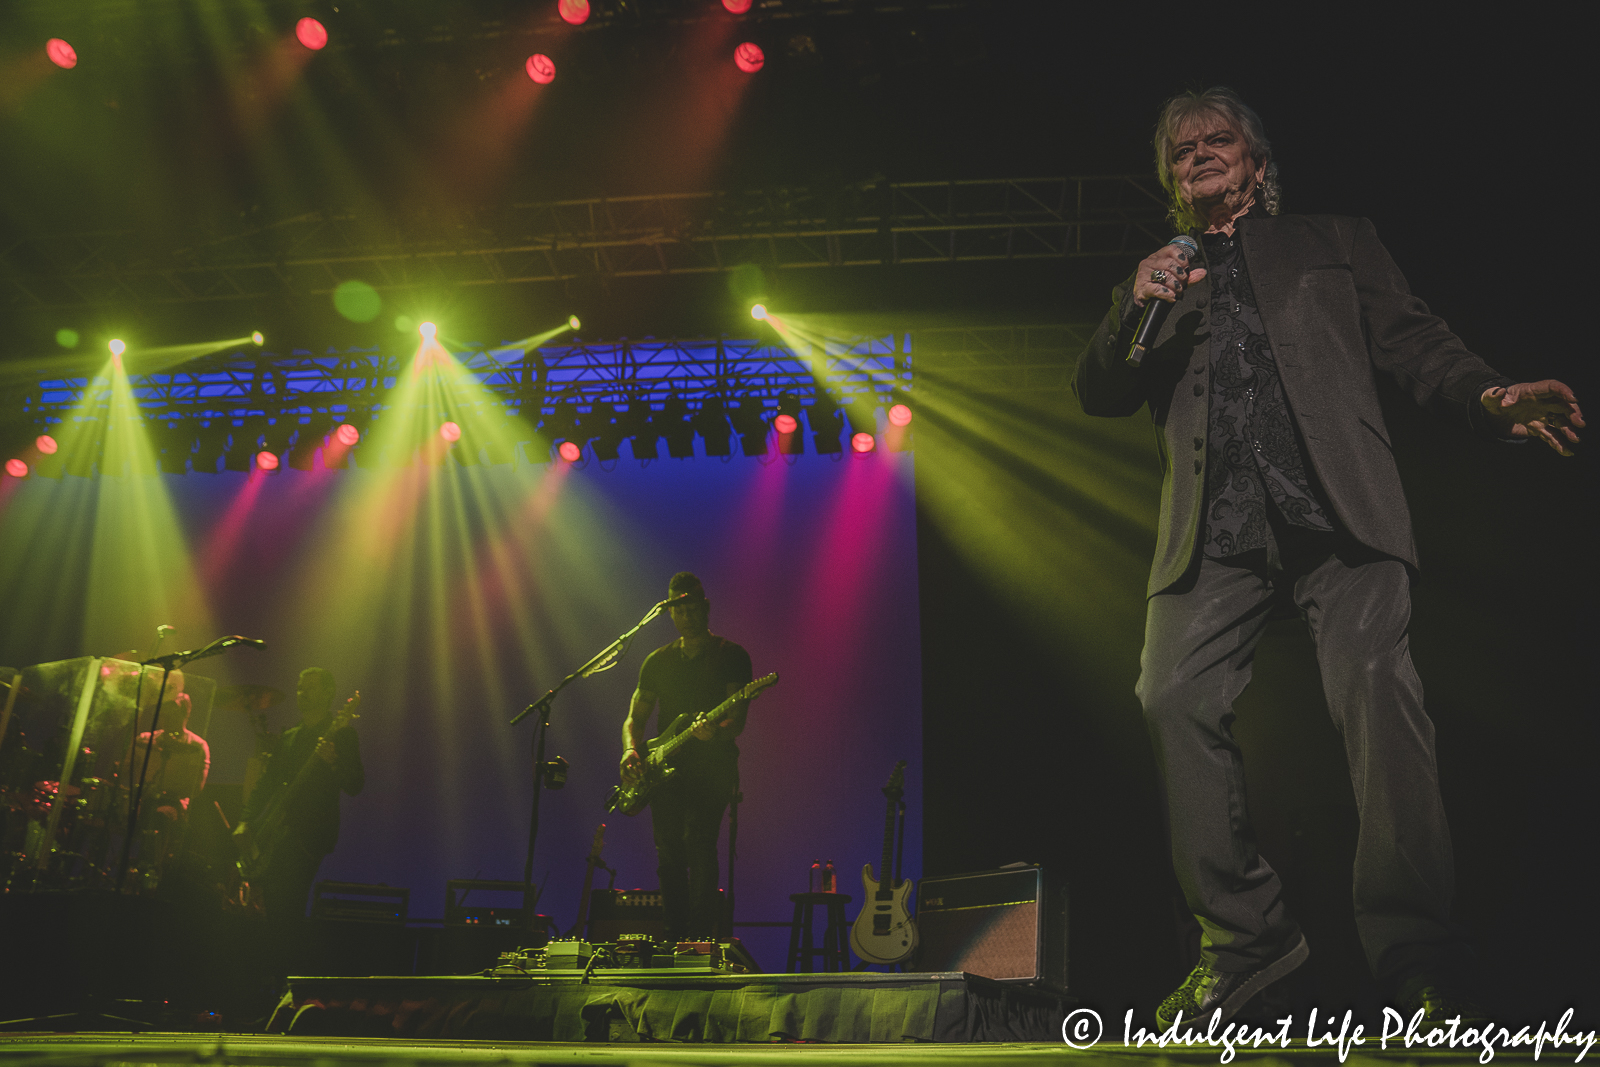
[346, 434]
[541, 68]
[863, 442]
[570, 451]
[46, 444]
[574, 11]
[785, 424]
[450, 432]
[266, 461]
[61, 53]
[749, 58]
[16, 468]
[899, 415]
[736, 7]
[311, 33]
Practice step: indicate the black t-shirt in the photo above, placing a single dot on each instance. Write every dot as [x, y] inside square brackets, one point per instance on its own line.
[688, 687]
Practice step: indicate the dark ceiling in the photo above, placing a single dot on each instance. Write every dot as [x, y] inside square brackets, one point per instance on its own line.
[187, 120]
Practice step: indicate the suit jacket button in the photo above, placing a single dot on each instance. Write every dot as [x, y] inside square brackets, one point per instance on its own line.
[1199, 390]
[1199, 443]
[1199, 465]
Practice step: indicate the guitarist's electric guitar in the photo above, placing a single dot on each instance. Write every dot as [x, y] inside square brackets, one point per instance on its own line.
[631, 799]
[262, 838]
[884, 931]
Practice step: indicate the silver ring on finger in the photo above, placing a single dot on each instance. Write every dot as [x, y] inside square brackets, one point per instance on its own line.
[1158, 276]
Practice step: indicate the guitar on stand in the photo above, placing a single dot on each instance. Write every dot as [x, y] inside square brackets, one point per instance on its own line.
[884, 931]
[590, 864]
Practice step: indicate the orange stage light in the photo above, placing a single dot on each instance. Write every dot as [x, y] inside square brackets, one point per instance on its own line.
[900, 415]
[46, 444]
[574, 11]
[785, 424]
[570, 451]
[749, 58]
[267, 461]
[450, 432]
[346, 434]
[863, 442]
[16, 468]
[736, 7]
[311, 33]
[541, 68]
[61, 53]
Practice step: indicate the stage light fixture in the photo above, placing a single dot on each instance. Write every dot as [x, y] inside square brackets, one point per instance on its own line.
[174, 442]
[645, 435]
[258, 338]
[604, 427]
[117, 347]
[899, 415]
[428, 330]
[736, 7]
[541, 68]
[211, 445]
[311, 33]
[673, 421]
[570, 451]
[826, 423]
[748, 57]
[711, 422]
[785, 424]
[61, 53]
[46, 444]
[16, 468]
[790, 443]
[863, 442]
[246, 440]
[347, 434]
[266, 461]
[573, 323]
[450, 431]
[575, 12]
[309, 439]
[750, 423]
[758, 312]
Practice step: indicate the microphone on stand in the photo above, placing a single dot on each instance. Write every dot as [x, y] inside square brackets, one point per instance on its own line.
[1155, 312]
[673, 600]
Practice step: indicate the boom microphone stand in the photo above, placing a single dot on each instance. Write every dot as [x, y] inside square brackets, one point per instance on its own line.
[604, 660]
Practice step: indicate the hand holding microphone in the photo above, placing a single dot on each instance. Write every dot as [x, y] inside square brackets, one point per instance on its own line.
[1156, 286]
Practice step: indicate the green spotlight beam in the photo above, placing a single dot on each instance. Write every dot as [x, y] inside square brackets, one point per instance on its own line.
[139, 361]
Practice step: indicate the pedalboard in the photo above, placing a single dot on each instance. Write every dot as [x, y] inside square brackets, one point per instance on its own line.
[638, 955]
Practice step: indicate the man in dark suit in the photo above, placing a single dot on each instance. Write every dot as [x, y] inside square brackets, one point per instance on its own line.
[1279, 485]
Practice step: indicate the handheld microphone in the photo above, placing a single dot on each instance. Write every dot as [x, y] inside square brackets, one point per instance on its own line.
[1155, 312]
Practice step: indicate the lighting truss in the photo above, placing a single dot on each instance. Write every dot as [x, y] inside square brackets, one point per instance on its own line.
[883, 223]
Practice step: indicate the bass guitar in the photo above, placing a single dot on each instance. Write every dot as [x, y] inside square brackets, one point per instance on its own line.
[631, 799]
[262, 838]
[884, 931]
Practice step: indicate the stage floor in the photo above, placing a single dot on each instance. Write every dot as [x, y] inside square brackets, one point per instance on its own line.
[235, 1050]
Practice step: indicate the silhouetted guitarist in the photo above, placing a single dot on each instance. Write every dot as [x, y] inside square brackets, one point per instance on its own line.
[310, 805]
[691, 675]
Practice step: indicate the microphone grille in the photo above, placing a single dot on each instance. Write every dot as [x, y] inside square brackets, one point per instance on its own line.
[1185, 245]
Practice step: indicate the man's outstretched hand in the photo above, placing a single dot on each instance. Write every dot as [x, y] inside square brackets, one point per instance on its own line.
[1546, 410]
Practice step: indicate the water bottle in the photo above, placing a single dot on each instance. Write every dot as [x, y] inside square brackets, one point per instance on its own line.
[830, 879]
[815, 885]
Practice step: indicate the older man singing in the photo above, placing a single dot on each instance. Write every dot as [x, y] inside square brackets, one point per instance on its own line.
[1279, 483]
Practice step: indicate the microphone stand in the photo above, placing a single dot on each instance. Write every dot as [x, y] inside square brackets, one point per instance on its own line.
[168, 663]
[603, 660]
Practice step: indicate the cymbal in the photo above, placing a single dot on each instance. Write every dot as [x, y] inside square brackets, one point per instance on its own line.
[246, 697]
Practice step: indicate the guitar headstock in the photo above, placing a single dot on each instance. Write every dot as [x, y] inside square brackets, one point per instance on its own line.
[347, 714]
[599, 842]
[897, 781]
[764, 682]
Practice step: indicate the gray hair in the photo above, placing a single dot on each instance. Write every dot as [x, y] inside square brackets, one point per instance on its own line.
[1225, 103]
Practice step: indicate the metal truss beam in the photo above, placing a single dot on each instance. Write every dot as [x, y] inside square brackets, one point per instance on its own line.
[879, 224]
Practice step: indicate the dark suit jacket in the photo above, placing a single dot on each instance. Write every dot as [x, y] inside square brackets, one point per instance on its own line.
[1336, 311]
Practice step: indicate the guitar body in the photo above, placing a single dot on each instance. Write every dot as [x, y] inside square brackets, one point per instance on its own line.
[631, 798]
[884, 931]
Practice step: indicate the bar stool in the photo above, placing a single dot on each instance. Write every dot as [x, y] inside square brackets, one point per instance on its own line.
[833, 953]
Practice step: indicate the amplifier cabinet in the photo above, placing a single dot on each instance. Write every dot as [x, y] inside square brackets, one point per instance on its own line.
[619, 913]
[1009, 925]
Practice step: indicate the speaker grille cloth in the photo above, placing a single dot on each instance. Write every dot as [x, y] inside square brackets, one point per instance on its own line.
[996, 942]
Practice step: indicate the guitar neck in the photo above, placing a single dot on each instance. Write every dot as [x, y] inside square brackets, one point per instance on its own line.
[886, 871]
[666, 748]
